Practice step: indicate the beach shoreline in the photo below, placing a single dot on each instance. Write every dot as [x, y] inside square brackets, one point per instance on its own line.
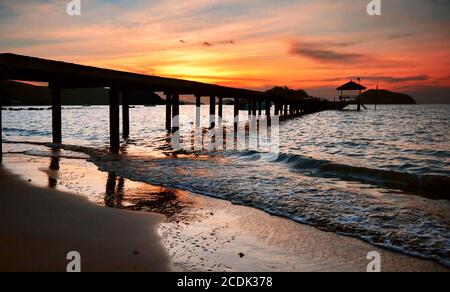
[198, 233]
[40, 226]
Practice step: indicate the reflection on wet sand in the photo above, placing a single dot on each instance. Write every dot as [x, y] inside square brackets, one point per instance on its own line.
[54, 163]
[54, 168]
[114, 191]
[144, 197]
[120, 193]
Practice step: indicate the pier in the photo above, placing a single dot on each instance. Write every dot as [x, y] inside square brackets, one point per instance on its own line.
[62, 75]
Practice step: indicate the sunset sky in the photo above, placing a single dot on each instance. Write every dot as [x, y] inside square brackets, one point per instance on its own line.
[314, 45]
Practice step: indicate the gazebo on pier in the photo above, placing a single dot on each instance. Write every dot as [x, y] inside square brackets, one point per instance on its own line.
[352, 99]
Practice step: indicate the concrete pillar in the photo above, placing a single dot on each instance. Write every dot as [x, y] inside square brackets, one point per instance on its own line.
[125, 116]
[285, 110]
[1, 127]
[56, 113]
[254, 107]
[236, 114]
[253, 126]
[212, 112]
[175, 112]
[260, 107]
[268, 108]
[114, 119]
[168, 111]
[220, 107]
[198, 111]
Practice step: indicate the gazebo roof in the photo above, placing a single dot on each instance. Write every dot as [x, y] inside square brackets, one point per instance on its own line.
[351, 86]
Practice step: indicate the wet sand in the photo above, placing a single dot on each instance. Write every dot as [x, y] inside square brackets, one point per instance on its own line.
[201, 233]
[40, 226]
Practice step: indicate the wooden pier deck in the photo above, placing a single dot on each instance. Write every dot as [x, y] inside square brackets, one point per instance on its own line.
[62, 75]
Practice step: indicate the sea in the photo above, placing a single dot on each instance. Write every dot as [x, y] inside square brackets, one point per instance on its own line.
[381, 175]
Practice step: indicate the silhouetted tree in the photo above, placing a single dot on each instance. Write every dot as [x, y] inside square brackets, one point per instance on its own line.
[286, 92]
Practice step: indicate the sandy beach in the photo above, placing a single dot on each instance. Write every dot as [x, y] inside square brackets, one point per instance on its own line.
[44, 218]
[40, 226]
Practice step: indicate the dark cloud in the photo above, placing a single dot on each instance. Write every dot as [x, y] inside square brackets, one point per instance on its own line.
[229, 42]
[399, 36]
[318, 53]
[343, 44]
[392, 79]
[226, 42]
[388, 79]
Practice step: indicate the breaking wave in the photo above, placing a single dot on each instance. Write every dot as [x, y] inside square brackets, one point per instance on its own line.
[427, 185]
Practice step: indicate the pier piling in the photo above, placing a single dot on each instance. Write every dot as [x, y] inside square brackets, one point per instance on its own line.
[268, 108]
[114, 119]
[220, 107]
[198, 111]
[175, 112]
[1, 126]
[56, 113]
[236, 115]
[212, 112]
[125, 116]
[168, 111]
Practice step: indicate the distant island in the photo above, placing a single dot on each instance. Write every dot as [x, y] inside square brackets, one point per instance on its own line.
[17, 93]
[386, 97]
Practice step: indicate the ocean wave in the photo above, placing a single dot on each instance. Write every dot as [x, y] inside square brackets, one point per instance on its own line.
[23, 132]
[64, 154]
[407, 224]
[427, 185]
